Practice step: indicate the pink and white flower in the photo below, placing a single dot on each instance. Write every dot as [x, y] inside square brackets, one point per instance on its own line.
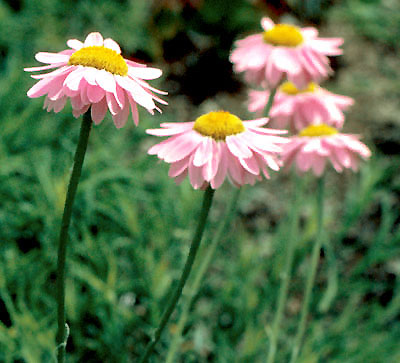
[317, 144]
[284, 50]
[94, 74]
[295, 108]
[219, 145]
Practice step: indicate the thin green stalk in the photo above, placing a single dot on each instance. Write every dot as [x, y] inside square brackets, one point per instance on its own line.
[207, 200]
[286, 274]
[63, 237]
[270, 100]
[311, 273]
[199, 274]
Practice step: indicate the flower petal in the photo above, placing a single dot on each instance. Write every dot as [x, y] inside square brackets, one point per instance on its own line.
[94, 38]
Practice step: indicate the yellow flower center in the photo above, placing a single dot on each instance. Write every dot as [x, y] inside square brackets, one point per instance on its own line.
[101, 58]
[283, 34]
[318, 130]
[218, 125]
[290, 89]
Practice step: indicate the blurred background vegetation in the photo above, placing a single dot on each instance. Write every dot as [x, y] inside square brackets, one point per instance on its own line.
[131, 225]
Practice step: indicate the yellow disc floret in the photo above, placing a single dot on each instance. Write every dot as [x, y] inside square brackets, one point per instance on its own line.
[101, 58]
[318, 130]
[284, 35]
[290, 89]
[218, 125]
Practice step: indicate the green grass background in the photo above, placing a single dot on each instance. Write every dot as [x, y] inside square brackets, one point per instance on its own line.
[132, 225]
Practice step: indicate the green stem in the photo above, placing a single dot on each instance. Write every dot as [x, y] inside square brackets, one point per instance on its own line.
[207, 200]
[63, 237]
[199, 274]
[270, 100]
[311, 273]
[286, 275]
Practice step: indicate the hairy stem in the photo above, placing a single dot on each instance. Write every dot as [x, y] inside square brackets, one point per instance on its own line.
[199, 274]
[286, 274]
[311, 273]
[62, 330]
[207, 200]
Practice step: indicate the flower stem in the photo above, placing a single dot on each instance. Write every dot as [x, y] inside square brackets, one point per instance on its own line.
[270, 100]
[63, 237]
[286, 274]
[199, 274]
[207, 200]
[311, 273]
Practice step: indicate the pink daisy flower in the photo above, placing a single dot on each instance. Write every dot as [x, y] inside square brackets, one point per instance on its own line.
[284, 50]
[316, 144]
[216, 145]
[95, 74]
[295, 108]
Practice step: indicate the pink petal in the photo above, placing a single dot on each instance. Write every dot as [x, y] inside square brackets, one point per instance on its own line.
[251, 165]
[90, 75]
[178, 167]
[73, 79]
[35, 69]
[106, 81]
[94, 93]
[75, 44]
[144, 73]
[211, 167]
[238, 148]
[257, 122]
[76, 103]
[40, 88]
[267, 23]
[318, 165]
[45, 57]
[236, 172]
[134, 64]
[120, 96]
[146, 85]
[158, 148]
[304, 161]
[57, 72]
[81, 111]
[179, 179]
[328, 46]
[83, 91]
[273, 74]
[121, 117]
[285, 60]
[343, 156]
[112, 104]
[195, 175]
[93, 39]
[182, 147]
[111, 44]
[309, 32]
[222, 168]
[137, 93]
[99, 111]
[203, 152]
[134, 110]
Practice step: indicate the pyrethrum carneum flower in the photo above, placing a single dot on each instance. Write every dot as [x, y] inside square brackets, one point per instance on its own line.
[317, 144]
[95, 74]
[284, 50]
[216, 145]
[296, 108]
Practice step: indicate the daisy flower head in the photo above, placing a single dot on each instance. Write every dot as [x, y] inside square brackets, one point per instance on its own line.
[284, 50]
[317, 144]
[94, 74]
[295, 108]
[218, 145]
